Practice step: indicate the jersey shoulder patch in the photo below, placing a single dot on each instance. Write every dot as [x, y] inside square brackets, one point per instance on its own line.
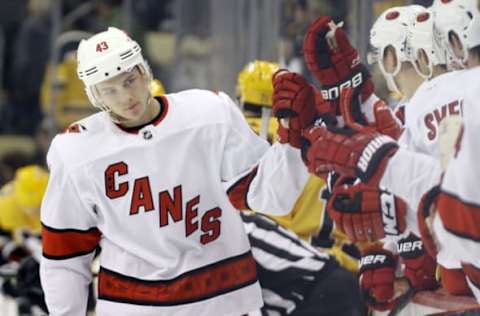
[75, 128]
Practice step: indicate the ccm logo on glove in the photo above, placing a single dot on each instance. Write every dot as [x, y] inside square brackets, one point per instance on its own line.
[389, 217]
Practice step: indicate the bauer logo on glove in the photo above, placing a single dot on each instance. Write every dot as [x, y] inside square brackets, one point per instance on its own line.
[334, 62]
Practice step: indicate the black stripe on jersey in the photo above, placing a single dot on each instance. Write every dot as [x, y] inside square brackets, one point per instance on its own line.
[275, 251]
[293, 279]
[324, 237]
[70, 230]
[75, 255]
[265, 223]
[267, 307]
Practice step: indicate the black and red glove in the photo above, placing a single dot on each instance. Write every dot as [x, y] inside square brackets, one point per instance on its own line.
[366, 213]
[377, 277]
[359, 154]
[419, 266]
[385, 122]
[293, 101]
[334, 61]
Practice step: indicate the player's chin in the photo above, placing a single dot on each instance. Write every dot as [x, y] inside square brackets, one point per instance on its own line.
[134, 113]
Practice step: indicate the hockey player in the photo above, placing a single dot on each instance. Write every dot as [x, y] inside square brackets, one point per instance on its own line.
[435, 102]
[402, 39]
[156, 183]
[20, 209]
[378, 160]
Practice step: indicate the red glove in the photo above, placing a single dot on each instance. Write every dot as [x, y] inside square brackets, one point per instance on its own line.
[420, 267]
[366, 213]
[377, 276]
[333, 61]
[425, 212]
[293, 99]
[385, 121]
[361, 154]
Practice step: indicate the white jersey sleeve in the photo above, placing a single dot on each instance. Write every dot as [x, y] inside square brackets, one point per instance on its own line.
[260, 177]
[409, 175]
[69, 240]
[460, 229]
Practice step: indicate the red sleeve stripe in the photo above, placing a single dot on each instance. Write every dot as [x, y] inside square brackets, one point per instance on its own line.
[219, 278]
[473, 274]
[459, 217]
[238, 192]
[59, 244]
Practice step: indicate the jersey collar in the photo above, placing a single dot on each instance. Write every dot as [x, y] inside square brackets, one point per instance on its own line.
[155, 121]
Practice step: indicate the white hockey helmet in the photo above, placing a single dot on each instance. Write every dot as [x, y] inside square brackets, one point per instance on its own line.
[459, 17]
[392, 29]
[105, 55]
[422, 37]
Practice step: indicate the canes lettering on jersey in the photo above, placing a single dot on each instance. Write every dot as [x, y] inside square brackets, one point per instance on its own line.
[170, 207]
[432, 119]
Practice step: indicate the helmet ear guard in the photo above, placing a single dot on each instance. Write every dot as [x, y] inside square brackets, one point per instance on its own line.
[390, 33]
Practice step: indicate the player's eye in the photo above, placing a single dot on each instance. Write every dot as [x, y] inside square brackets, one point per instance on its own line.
[130, 81]
[108, 92]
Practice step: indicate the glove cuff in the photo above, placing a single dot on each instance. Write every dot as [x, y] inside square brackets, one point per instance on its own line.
[374, 157]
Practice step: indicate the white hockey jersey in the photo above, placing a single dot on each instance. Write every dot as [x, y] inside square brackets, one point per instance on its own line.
[460, 192]
[409, 175]
[433, 102]
[458, 225]
[158, 201]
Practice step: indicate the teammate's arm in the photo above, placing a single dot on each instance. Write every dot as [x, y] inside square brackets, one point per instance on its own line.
[259, 176]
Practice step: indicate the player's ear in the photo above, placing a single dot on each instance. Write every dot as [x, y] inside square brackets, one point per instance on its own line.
[390, 59]
[456, 44]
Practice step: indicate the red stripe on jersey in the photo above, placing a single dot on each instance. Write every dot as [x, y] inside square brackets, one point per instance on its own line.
[219, 278]
[454, 281]
[459, 217]
[61, 244]
[237, 193]
[473, 274]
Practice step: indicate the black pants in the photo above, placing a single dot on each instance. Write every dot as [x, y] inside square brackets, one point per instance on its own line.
[337, 293]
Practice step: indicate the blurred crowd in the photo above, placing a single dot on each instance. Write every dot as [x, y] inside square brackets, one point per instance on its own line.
[40, 93]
